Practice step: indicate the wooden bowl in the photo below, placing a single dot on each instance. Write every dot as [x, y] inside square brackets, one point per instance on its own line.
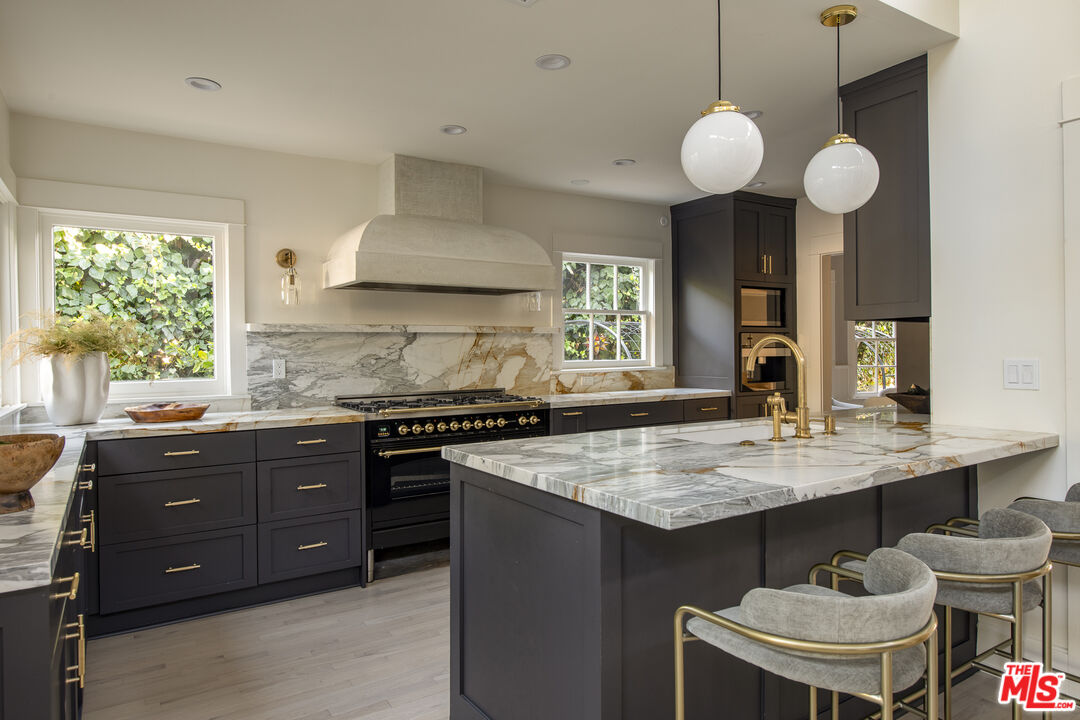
[24, 459]
[166, 412]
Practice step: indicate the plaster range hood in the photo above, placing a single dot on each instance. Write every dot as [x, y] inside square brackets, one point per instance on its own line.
[429, 236]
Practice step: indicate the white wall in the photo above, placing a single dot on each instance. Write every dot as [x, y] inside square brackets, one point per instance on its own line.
[305, 203]
[7, 175]
[996, 222]
[816, 233]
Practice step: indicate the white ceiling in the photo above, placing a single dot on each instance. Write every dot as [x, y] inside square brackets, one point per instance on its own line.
[361, 79]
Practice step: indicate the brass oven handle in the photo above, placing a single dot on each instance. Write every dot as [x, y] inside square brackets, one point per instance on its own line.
[185, 568]
[573, 414]
[175, 453]
[528, 403]
[640, 414]
[93, 530]
[73, 592]
[178, 503]
[708, 409]
[312, 546]
[311, 487]
[412, 451]
[311, 442]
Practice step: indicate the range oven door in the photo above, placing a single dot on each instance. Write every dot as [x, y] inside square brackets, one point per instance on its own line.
[398, 471]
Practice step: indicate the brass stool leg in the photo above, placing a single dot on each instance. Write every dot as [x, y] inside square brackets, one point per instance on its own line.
[835, 714]
[930, 703]
[680, 700]
[1047, 628]
[947, 704]
[1018, 636]
[813, 703]
[886, 687]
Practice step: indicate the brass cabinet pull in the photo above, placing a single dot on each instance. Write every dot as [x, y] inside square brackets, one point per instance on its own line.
[73, 592]
[640, 414]
[573, 414]
[176, 453]
[88, 468]
[93, 531]
[80, 635]
[770, 264]
[81, 542]
[311, 487]
[185, 568]
[708, 409]
[178, 503]
[86, 485]
[763, 263]
[412, 451]
[311, 442]
[312, 546]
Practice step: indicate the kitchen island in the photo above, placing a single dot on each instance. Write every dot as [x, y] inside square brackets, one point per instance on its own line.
[569, 555]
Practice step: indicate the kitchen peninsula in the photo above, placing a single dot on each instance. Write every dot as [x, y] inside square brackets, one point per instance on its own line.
[569, 555]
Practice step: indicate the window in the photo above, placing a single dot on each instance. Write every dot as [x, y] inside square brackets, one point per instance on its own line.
[166, 276]
[606, 311]
[875, 357]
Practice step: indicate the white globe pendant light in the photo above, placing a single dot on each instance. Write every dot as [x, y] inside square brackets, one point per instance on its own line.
[843, 175]
[722, 151]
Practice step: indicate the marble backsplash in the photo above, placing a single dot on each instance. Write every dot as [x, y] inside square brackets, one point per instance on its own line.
[324, 361]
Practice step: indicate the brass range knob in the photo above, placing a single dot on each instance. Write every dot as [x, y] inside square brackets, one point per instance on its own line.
[403, 429]
[454, 425]
[533, 419]
[441, 427]
[429, 428]
[417, 429]
[467, 425]
[501, 422]
[489, 423]
[522, 420]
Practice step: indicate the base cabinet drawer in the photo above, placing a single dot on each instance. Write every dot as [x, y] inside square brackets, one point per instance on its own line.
[706, 409]
[565, 421]
[293, 548]
[171, 452]
[603, 417]
[159, 504]
[293, 442]
[151, 572]
[309, 486]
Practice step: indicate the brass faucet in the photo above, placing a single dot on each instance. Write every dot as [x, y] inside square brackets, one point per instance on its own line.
[801, 416]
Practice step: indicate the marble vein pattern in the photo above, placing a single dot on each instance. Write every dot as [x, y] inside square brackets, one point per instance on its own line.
[617, 397]
[678, 476]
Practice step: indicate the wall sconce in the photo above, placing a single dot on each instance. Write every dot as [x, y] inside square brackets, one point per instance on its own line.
[290, 282]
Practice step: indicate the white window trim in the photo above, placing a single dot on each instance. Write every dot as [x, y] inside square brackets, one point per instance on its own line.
[45, 202]
[647, 312]
[855, 340]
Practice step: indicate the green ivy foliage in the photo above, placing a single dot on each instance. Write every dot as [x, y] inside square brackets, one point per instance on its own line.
[596, 286]
[164, 283]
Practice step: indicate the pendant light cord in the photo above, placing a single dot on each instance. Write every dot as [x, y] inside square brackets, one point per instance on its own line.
[838, 125]
[719, 55]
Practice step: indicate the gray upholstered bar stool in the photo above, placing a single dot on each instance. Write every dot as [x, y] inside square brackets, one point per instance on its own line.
[863, 646]
[991, 568]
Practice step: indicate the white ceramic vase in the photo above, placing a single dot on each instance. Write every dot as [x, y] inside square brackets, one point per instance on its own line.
[75, 388]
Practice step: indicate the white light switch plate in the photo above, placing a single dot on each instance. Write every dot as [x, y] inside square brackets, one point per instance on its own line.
[1021, 374]
[278, 368]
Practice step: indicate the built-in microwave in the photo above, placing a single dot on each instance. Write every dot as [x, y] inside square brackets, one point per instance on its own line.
[762, 307]
[774, 370]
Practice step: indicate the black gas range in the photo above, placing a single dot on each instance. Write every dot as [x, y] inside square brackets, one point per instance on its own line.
[407, 481]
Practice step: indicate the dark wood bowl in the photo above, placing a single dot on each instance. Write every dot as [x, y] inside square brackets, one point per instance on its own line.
[166, 412]
[917, 403]
[24, 460]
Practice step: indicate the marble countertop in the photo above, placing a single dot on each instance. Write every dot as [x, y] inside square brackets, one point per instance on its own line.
[616, 397]
[683, 475]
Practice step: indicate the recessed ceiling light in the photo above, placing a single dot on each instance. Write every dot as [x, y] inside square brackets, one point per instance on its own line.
[552, 62]
[756, 184]
[753, 114]
[454, 129]
[624, 162]
[201, 83]
[579, 181]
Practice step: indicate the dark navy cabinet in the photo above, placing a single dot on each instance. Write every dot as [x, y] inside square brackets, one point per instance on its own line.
[589, 418]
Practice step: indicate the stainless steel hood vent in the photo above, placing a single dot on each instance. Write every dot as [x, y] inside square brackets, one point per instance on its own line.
[429, 237]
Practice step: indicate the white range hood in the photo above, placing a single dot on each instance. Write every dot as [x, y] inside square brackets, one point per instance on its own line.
[430, 237]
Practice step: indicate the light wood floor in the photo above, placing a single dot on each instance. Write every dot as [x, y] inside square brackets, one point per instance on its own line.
[380, 653]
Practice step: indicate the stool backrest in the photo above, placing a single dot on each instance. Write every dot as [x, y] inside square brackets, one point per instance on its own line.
[903, 597]
[1074, 493]
[1009, 542]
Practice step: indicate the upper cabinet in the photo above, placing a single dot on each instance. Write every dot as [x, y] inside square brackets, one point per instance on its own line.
[764, 242]
[887, 241]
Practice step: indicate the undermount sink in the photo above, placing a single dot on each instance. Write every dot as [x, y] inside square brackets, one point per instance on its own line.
[756, 433]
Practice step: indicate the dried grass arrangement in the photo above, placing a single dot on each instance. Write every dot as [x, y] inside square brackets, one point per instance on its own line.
[61, 335]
